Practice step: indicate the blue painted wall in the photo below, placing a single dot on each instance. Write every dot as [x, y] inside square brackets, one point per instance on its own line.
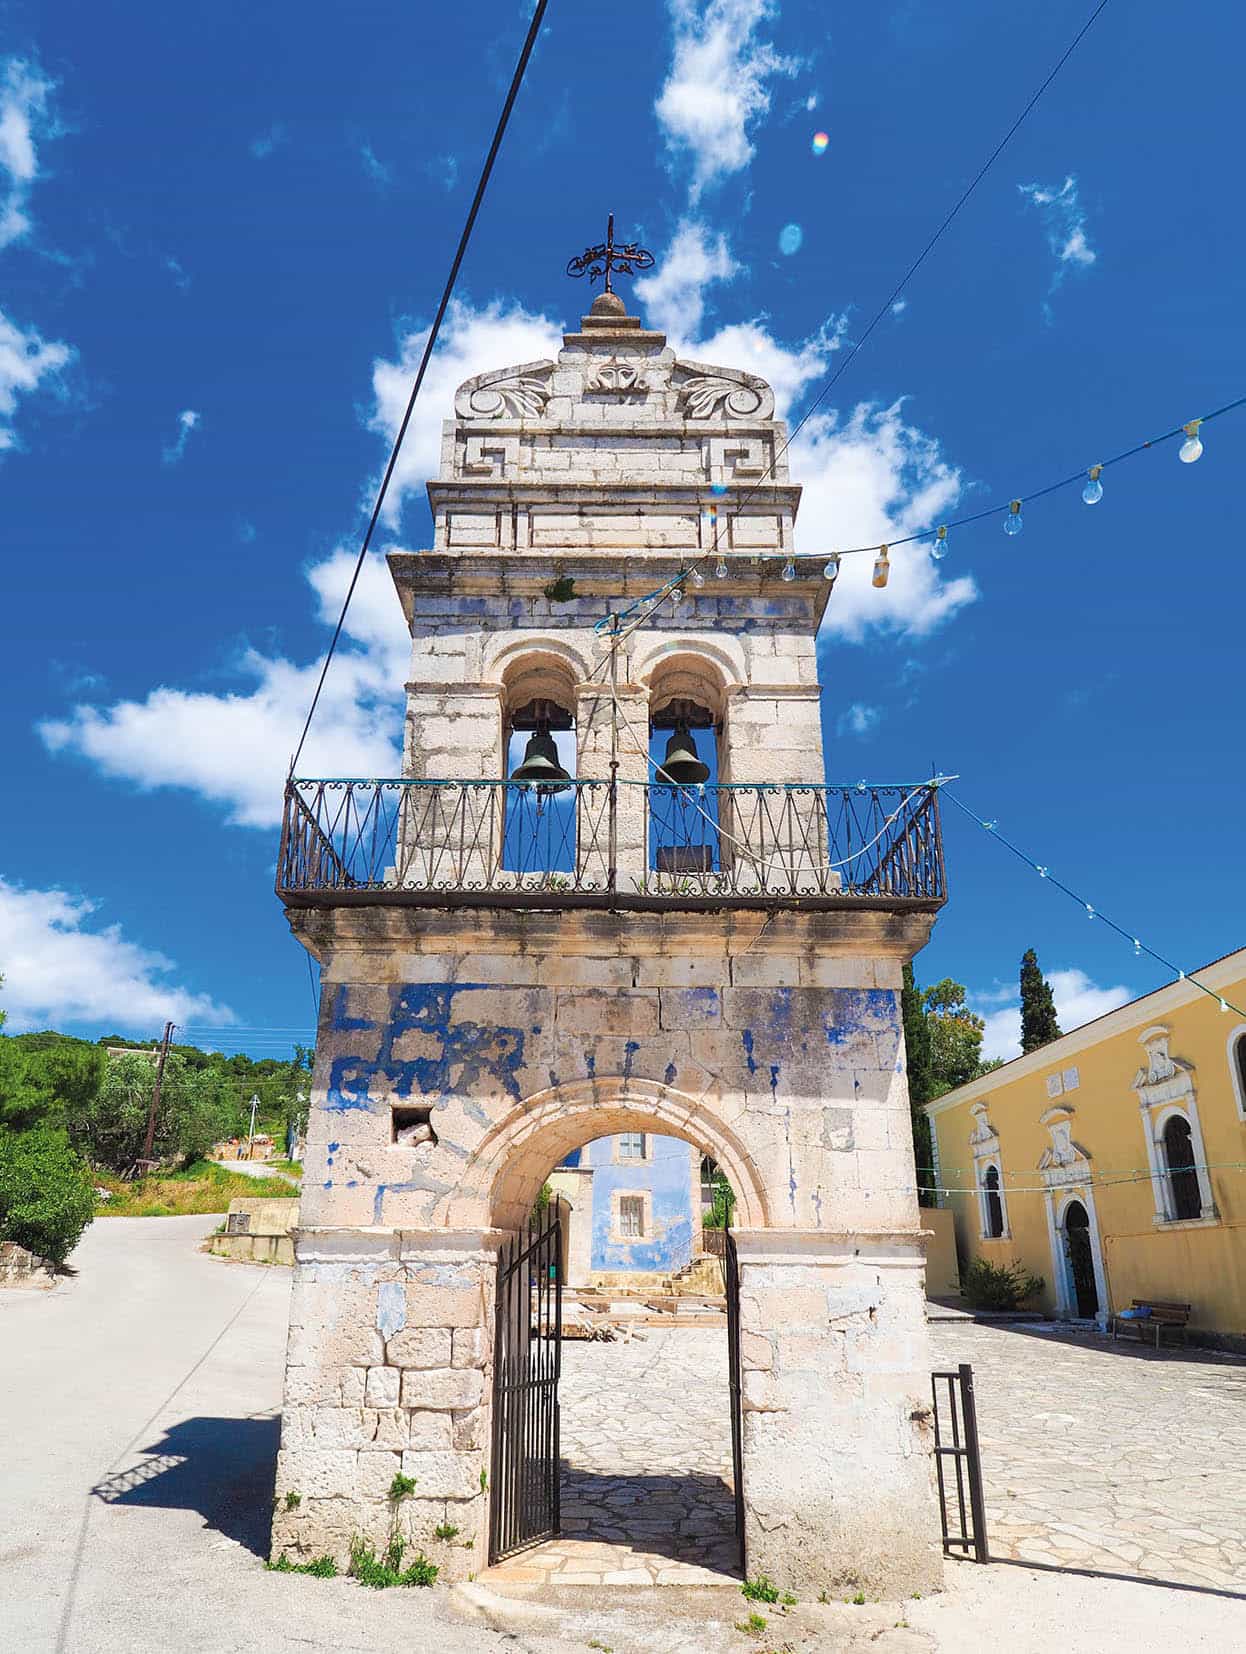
[666, 1175]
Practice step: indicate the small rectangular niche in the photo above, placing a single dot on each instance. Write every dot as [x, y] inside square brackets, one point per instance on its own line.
[412, 1127]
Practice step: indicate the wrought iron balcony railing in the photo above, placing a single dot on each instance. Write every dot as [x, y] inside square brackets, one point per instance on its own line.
[602, 843]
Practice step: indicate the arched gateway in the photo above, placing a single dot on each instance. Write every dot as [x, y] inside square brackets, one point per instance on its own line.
[510, 969]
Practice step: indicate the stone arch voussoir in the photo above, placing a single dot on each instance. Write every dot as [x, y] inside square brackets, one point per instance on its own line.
[503, 1176]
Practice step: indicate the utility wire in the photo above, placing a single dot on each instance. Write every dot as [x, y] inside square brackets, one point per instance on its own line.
[1092, 912]
[912, 270]
[534, 29]
[657, 595]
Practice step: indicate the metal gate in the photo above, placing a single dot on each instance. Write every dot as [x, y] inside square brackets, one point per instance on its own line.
[732, 1272]
[523, 1507]
[966, 1535]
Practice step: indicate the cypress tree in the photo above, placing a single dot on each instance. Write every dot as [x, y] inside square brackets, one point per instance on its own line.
[1038, 1008]
[917, 1048]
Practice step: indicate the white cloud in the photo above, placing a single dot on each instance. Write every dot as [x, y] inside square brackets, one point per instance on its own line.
[27, 361]
[858, 719]
[187, 421]
[471, 342]
[444, 170]
[56, 970]
[375, 169]
[675, 297]
[24, 95]
[234, 749]
[1064, 220]
[1078, 1001]
[718, 85]
[263, 146]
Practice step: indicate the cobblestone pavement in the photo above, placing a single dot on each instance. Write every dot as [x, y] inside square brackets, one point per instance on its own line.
[1108, 1456]
[646, 1476]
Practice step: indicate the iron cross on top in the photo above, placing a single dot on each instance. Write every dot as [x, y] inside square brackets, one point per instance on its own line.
[607, 255]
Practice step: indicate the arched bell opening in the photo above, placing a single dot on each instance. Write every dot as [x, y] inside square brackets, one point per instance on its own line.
[539, 746]
[686, 724]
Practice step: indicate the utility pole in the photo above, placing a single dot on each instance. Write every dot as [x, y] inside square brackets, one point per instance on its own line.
[255, 1103]
[149, 1141]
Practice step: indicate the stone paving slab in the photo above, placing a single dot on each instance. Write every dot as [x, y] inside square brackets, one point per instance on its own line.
[646, 1472]
[1108, 1456]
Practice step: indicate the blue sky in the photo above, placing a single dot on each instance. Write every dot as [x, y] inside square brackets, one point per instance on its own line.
[222, 234]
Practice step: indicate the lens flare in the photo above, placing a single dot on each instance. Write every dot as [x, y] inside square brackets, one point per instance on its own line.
[718, 488]
[790, 238]
[821, 143]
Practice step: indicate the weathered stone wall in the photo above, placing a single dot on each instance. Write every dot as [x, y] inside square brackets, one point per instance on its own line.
[18, 1267]
[775, 1046]
[385, 1373]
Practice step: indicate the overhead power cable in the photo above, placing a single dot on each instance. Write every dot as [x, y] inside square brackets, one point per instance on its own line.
[534, 29]
[885, 307]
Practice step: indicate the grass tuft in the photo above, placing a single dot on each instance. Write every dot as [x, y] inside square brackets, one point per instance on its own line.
[379, 1572]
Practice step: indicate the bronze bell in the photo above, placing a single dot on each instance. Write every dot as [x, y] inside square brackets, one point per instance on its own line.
[540, 766]
[681, 767]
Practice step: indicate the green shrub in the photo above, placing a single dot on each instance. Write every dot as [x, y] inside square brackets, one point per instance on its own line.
[987, 1285]
[46, 1196]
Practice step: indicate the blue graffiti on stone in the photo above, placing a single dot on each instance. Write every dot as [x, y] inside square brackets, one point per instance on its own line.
[464, 1052]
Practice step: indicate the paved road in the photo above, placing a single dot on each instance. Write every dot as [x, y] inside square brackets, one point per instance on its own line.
[257, 1168]
[137, 1433]
[1109, 1456]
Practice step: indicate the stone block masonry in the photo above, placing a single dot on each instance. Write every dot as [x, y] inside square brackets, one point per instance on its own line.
[507, 1036]
[797, 1091]
[385, 1374]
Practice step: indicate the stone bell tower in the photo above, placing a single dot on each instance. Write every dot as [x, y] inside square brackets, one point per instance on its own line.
[510, 970]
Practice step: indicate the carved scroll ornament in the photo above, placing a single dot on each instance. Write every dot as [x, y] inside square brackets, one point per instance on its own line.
[511, 393]
[706, 395]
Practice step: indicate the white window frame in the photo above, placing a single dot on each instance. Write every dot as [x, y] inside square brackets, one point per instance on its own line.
[617, 1197]
[622, 1158]
[1164, 1087]
[985, 1148]
[984, 1202]
[1235, 1073]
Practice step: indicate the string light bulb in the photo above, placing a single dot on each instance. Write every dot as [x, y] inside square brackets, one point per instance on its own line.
[1012, 522]
[1192, 448]
[789, 569]
[882, 567]
[698, 579]
[720, 567]
[1137, 948]
[939, 550]
[677, 596]
[831, 572]
[1092, 492]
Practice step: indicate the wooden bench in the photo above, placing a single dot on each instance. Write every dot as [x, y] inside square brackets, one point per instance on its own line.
[1162, 1316]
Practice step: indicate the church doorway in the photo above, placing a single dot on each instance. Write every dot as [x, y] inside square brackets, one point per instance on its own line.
[1080, 1260]
[616, 1424]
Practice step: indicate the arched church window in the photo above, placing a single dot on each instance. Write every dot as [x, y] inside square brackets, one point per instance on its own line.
[994, 1206]
[1184, 1196]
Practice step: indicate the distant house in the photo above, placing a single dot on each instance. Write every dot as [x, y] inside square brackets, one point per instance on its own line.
[634, 1205]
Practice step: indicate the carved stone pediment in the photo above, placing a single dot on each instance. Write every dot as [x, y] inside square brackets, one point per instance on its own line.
[983, 1138]
[1163, 1078]
[1065, 1161]
[618, 376]
[722, 393]
[506, 393]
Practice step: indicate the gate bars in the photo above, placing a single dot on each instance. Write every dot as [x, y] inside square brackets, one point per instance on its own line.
[969, 1536]
[731, 1271]
[524, 1502]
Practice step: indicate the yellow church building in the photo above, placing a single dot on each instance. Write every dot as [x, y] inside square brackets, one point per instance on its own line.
[1112, 1162]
